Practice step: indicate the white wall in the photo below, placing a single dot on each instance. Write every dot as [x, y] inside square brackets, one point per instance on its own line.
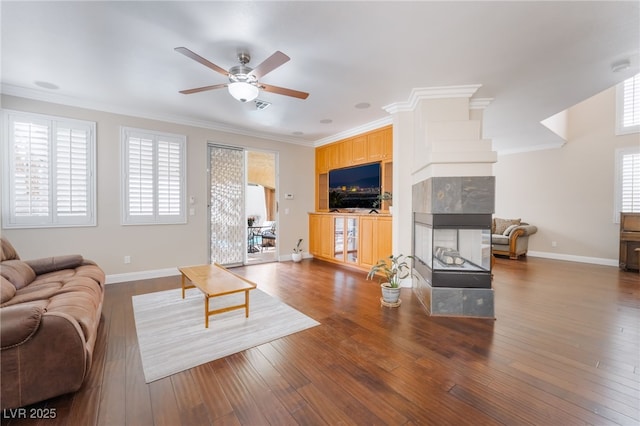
[568, 192]
[160, 247]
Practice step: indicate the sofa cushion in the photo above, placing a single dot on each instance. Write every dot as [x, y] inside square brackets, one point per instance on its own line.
[7, 252]
[499, 239]
[8, 290]
[19, 273]
[500, 225]
[34, 292]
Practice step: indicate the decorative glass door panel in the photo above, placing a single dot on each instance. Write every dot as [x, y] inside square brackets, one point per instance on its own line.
[228, 225]
[338, 238]
[351, 250]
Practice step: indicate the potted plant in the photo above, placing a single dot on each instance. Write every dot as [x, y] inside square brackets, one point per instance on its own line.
[392, 269]
[296, 256]
[385, 196]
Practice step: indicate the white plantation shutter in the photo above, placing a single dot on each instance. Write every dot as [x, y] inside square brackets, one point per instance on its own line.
[140, 173]
[72, 173]
[154, 183]
[627, 190]
[169, 178]
[630, 183]
[628, 108]
[49, 179]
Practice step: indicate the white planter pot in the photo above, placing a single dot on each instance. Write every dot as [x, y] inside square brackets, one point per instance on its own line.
[296, 257]
[389, 294]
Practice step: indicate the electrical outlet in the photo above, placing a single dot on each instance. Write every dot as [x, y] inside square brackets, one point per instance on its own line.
[554, 244]
[127, 259]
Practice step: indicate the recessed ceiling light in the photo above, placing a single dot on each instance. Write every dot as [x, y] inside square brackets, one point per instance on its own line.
[326, 121]
[46, 85]
[363, 105]
[297, 133]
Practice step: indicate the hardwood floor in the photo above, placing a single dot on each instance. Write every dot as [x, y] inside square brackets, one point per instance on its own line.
[564, 350]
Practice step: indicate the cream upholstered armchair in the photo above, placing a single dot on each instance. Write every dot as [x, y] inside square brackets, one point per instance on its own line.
[510, 237]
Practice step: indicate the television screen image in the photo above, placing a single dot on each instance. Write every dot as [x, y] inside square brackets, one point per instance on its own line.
[354, 187]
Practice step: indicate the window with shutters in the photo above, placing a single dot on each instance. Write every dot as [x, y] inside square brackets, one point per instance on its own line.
[628, 106]
[49, 171]
[627, 189]
[153, 184]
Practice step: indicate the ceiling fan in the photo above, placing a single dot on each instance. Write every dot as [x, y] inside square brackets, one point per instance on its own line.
[243, 80]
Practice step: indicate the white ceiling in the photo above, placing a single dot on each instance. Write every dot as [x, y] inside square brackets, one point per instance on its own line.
[534, 58]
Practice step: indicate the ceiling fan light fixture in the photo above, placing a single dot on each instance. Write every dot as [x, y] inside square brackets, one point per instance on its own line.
[244, 92]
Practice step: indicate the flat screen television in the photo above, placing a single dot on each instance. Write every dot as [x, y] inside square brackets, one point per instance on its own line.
[354, 187]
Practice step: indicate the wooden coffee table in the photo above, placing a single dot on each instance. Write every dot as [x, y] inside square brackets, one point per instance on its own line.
[214, 281]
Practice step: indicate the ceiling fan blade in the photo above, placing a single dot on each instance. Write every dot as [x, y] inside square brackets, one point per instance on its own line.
[284, 91]
[269, 64]
[188, 53]
[203, 89]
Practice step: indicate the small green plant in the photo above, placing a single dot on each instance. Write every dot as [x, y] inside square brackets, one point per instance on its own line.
[297, 248]
[393, 268]
[385, 196]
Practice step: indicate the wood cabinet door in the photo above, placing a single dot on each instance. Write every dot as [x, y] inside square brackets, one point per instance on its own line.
[333, 156]
[321, 159]
[375, 146]
[321, 235]
[359, 151]
[367, 245]
[344, 151]
[380, 145]
[315, 234]
[375, 239]
[384, 240]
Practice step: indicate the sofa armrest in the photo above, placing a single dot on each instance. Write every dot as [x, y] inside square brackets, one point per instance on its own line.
[20, 322]
[522, 230]
[55, 263]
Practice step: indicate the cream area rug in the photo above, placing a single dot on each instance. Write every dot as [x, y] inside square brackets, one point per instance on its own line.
[172, 336]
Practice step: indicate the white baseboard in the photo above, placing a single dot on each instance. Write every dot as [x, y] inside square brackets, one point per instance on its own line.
[573, 258]
[287, 257]
[141, 275]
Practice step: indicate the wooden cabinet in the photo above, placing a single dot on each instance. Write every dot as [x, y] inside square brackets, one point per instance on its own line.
[380, 145]
[370, 147]
[326, 157]
[320, 235]
[351, 239]
[630, 241]
[375, 239]
[359, 150]
[375, 146]
[346, 239]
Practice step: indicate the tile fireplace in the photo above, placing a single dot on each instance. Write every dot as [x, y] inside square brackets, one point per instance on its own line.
[452, 245]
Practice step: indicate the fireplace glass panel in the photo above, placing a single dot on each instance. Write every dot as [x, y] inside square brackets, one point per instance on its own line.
[461, 249]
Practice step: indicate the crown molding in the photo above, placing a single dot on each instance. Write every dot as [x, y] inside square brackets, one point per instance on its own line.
[43, 96]
[373, 125]
[479, 103]
[441, 92]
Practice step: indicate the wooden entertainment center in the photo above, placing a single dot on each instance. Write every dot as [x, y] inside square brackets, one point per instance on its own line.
[352, 237]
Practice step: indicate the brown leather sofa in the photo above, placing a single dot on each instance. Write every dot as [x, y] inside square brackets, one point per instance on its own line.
[50, 310]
